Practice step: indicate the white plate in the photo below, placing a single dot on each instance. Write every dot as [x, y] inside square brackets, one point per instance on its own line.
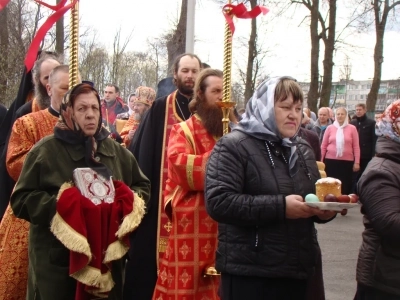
[337, 206]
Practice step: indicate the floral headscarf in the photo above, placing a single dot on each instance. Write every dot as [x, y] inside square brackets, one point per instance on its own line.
[388, 124]
[69, 132]
[259, 118]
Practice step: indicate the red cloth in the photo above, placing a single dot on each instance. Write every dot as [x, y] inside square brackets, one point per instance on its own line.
[97, 225]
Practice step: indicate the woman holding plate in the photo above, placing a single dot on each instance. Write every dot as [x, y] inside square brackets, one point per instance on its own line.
[256, 181]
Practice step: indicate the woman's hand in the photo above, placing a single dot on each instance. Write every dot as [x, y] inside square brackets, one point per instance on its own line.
[326, 214]
[356, 167]
[296, 208]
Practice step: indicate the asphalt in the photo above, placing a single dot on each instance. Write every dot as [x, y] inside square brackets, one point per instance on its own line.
[340, 241]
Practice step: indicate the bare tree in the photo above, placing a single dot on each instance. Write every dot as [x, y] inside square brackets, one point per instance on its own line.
[3, 49]
[158, 50]
[313, 93]
[117, 54]
[328, 37]
[19, 23]
[176, 40]
[94, 62]
[381, 10]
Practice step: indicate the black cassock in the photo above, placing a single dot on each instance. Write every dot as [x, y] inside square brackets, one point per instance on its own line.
[147, 147]
[18, 108]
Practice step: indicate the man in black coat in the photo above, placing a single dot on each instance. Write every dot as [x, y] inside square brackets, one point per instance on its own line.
[367, 137]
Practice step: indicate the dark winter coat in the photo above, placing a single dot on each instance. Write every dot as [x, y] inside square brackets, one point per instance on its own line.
[379, 190]
[245, 193]
[367, 137]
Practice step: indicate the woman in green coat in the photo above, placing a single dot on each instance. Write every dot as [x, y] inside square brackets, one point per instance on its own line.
[79, 141]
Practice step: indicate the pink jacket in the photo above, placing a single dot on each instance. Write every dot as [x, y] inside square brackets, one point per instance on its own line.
[351, 149]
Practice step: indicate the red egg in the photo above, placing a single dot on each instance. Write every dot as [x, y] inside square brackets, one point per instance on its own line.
[344, 199]
[353, 198]
[330, 198]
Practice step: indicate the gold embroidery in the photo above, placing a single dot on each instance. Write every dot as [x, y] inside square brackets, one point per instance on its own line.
[207, 249]
[168, 251]
[208, 222]
[168, 226]
[185, 250]
[162, 245]
[189, 170]
[170, 278]
[163, 275]
[184, 222]
[185, 277]
[190, 160]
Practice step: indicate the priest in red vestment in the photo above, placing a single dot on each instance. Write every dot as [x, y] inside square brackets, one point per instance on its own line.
[25, 133]
[192, 242]
[149, 146]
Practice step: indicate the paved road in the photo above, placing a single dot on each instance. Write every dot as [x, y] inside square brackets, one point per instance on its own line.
[340, 240]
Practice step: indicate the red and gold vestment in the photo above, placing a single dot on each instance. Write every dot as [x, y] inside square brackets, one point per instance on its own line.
[131, 124]
[193, 234]
[26, 131]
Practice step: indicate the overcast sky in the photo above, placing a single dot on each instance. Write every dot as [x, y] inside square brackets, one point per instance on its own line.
[286, 40]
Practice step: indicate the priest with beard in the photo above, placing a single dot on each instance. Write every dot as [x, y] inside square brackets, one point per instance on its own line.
[192, 242]
[32, 97]
[25, 133]
[149, 146]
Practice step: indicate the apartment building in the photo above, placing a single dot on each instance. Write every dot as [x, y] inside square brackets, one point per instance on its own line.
[351, 92]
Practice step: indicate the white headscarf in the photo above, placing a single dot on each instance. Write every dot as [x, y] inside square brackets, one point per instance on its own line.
[339, 132]
[130, 112]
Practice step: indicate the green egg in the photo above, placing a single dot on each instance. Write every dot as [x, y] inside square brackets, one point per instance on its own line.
[311, 198]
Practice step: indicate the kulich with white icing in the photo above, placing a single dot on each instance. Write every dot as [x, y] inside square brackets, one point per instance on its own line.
[328, 185]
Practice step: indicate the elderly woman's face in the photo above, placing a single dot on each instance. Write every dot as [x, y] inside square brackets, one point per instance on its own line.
[288, 116]
[341, 115]
[86, 113]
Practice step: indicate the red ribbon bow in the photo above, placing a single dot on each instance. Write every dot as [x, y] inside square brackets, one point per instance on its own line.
[240, 11]
[59, 10]
[3, 3]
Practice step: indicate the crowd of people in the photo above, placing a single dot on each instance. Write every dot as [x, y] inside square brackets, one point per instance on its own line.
[194, 214]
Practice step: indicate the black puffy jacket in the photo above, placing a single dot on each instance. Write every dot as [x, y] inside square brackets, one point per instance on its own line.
[379, 190]
[245, 193]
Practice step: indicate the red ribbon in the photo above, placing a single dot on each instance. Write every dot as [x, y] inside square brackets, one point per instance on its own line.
[240, 11]
[3, 3]
[60, 9]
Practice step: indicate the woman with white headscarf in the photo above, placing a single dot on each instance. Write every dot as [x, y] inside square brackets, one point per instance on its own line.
[340, 150]
[130, 103]
[257, 177]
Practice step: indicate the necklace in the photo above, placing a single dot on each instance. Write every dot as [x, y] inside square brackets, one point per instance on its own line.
[180, 110]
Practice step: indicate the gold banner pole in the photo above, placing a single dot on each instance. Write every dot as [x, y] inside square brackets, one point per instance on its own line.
[226, 104]
[74, 44]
